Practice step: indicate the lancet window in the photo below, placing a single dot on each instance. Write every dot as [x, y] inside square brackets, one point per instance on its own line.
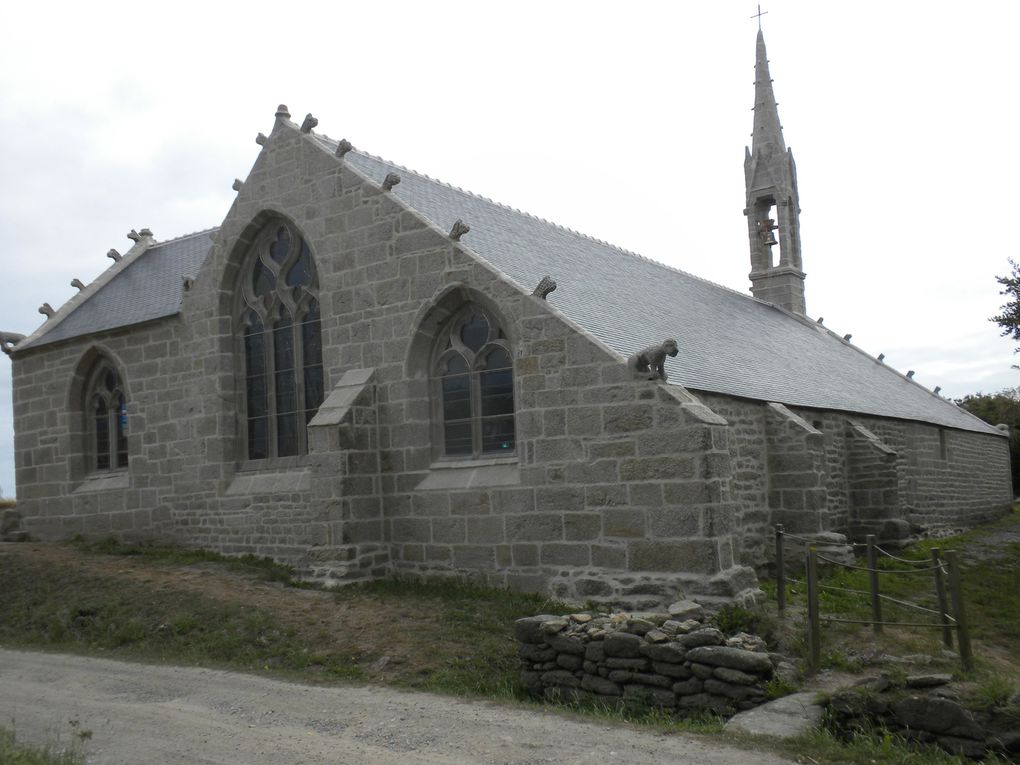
[280, 334]
[474, 387]
[107, 413]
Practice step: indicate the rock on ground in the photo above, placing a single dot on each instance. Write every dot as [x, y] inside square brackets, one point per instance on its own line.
[784, 718]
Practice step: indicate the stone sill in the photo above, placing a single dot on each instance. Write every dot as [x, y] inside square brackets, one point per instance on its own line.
[471, 474]
[270, 481]
[104, 481]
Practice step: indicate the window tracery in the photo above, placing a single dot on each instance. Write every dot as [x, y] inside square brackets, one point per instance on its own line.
[106, 408]
[281, 342]
[473, 373]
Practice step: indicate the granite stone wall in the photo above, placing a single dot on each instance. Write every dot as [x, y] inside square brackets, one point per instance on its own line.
[619, 489]
[817, 471]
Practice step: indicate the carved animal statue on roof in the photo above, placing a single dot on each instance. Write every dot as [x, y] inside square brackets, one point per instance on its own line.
[651, 361]
[8, 340]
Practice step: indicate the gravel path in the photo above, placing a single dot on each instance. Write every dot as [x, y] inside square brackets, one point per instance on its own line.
[189, 716]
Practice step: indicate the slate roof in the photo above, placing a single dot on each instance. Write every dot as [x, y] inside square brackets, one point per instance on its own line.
[730, 342]
[148, 287]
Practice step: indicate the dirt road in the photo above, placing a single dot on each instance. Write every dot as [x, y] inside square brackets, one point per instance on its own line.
[143, 714]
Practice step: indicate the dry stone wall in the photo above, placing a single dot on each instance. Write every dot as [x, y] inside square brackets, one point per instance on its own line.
[669, 660]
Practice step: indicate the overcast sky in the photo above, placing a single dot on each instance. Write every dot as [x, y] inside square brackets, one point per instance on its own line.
[623, 121]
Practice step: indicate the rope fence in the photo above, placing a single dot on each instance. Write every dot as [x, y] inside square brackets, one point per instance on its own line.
[944, 570]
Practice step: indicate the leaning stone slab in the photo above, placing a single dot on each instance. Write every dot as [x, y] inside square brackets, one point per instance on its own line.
[734, 658]
[786, 717]
[529, 629]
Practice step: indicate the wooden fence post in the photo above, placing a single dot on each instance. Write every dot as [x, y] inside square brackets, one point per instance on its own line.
[956, 593]
[940, 595]
[876, 602]
[780, 571]
[814, 621]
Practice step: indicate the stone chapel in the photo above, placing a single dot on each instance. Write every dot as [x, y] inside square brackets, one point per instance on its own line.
[363, 371]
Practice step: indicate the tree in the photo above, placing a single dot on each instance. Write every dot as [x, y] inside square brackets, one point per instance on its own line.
[1009, 319]
[1000, 408]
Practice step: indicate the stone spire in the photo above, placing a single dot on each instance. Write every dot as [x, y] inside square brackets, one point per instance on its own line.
[767, 128]
[773, 205]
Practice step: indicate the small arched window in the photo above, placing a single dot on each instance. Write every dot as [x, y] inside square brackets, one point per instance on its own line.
[107, 413]
[474, 383]
[280, 336]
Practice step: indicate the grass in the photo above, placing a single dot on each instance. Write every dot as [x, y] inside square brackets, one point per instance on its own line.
[14, 752]
[989, 586]
[264, 569]
[163, 603]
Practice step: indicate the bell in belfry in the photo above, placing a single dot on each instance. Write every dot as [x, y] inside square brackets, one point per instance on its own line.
[765, 229]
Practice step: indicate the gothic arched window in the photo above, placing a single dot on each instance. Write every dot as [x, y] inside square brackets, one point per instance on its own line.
[474, 382]
[107, 414]
[280, 335]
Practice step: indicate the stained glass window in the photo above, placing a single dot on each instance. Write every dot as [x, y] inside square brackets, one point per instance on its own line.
[474, 368]
[280, 337]
[108, 419]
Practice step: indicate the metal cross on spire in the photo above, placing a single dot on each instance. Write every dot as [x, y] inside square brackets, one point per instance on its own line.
[758, 16]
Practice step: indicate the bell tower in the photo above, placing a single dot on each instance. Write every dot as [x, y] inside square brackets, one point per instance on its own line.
[773, 206]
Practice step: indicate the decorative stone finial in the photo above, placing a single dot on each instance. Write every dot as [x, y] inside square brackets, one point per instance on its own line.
[309, 123]
[282, 113]
[133, 235]
[459, 229]
[847, 337]
[46, 310]
[650, 363]
[113, 255]
[261, 139]
[391, 180]
[881, 357]
[544, 287]
[145, 232]
[343, 147]
[938, 388]
[8, 340]
[188, 282]
[78, 283]
[237, 185]
[910, 374]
